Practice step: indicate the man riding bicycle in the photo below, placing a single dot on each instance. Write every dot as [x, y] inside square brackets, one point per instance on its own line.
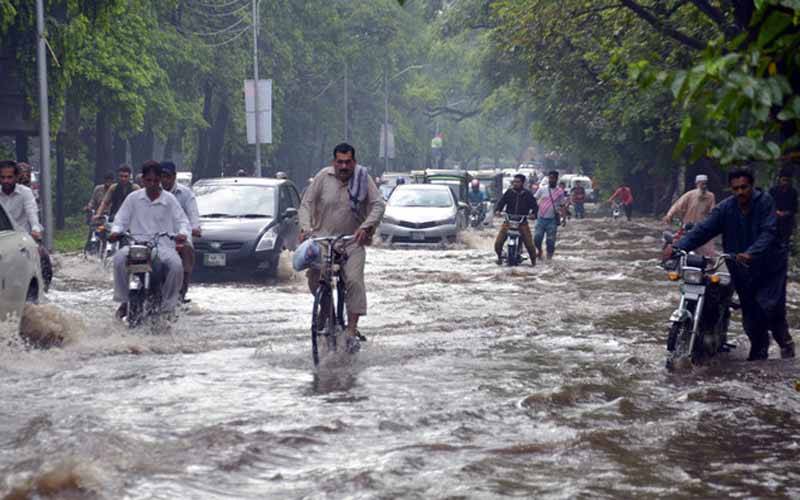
[146, 213]
[344, 200]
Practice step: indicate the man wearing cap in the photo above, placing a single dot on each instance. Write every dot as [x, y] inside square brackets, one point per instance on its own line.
[188, 203]
[693, 207]
[785, 196]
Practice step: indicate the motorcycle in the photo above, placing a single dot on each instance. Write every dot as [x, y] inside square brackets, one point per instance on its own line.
[477, 214]
[699, 326]
[98, 239]
[144, 279]
[513, 255]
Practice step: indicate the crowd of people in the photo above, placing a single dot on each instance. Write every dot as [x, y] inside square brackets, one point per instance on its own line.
[756, 227]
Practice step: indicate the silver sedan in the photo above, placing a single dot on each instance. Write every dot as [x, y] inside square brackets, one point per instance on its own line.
[422, 213]
[20, 271]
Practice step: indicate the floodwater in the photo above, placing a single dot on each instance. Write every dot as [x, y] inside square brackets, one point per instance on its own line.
[478, 381]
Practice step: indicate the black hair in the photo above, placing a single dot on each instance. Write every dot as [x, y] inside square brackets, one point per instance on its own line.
[124, 168]
[520, 177]
[10, 164]
[109, 175]
[344, 148]
[151, 166]
[552, 172]
[741, 172]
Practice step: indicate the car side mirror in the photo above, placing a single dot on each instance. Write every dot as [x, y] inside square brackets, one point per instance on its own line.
[289, 213]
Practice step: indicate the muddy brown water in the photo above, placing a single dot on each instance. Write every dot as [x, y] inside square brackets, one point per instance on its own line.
[478, 381]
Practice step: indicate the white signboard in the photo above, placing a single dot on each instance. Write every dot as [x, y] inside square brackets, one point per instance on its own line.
[390, 141]
[264, 111]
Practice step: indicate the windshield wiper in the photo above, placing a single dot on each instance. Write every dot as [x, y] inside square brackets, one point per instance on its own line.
[215, 215]
[254, 216]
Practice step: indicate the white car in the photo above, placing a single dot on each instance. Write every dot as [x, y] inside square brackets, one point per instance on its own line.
[422, 213]
[20, 270]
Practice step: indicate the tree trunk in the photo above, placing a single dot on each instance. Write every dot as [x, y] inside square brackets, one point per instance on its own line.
[201, 162]
[216, 141]
[120, 151]
[142, 147]
[103, 155]
[60, 140]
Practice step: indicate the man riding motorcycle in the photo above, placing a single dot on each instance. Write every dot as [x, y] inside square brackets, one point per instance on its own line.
[116, 194]
[477, 199]
[516, 201]
[188, 203]
[146, 213]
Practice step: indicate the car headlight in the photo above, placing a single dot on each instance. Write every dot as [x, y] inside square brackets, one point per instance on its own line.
[389, 220]
[693, 276]
[267, 241]
[451, 220]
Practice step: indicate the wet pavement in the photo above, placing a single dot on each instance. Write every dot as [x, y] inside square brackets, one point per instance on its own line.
[477, 381]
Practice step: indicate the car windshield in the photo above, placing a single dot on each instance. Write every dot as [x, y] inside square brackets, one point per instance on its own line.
[226, 200]
[434, 198]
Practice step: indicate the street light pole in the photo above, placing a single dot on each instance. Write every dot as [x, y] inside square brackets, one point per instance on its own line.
[44, 128]
[386, 110]
[385, 121]
[255, 78]
[346, 102]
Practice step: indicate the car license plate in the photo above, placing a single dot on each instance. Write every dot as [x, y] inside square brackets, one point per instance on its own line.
[214, 259]
[418, 236]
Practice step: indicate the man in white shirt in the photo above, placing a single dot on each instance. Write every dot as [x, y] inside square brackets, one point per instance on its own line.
[18, 200]
[146, 213]
[188, 202]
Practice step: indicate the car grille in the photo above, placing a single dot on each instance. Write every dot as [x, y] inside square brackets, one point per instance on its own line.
[229, 246]
[420, 225]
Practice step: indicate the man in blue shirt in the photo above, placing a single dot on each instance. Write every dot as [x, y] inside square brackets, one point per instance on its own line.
[748, 226]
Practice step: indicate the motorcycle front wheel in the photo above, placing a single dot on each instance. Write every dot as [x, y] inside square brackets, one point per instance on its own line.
[679, 339]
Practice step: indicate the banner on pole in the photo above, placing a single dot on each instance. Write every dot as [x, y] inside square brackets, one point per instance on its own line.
[264, 111]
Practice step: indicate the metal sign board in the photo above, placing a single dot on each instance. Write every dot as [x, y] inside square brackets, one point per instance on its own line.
[264, 111]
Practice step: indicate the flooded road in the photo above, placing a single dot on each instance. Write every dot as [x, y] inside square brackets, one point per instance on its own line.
[478, 381]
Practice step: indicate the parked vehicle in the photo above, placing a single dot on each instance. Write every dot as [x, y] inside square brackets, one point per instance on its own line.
[422, 213]
[247, 222]
[513, 254]
[20, 270]
[184, 178]
[699, 326]
[586, 182]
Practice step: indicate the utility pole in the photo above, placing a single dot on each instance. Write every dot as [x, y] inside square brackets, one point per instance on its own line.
[385, 121]
[44, 128]
[346, 102]
[255, 78]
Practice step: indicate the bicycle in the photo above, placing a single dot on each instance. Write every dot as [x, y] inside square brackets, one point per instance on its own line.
[328, 313]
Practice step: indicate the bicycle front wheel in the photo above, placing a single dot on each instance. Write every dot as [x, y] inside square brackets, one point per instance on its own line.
[322, 321]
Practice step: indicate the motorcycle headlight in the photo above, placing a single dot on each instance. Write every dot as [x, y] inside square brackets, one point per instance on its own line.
[267, 242]
[693, 276]
[722, 279]
[139, 252]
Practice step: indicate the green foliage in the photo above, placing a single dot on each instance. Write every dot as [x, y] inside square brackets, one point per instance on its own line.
[738, 102]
